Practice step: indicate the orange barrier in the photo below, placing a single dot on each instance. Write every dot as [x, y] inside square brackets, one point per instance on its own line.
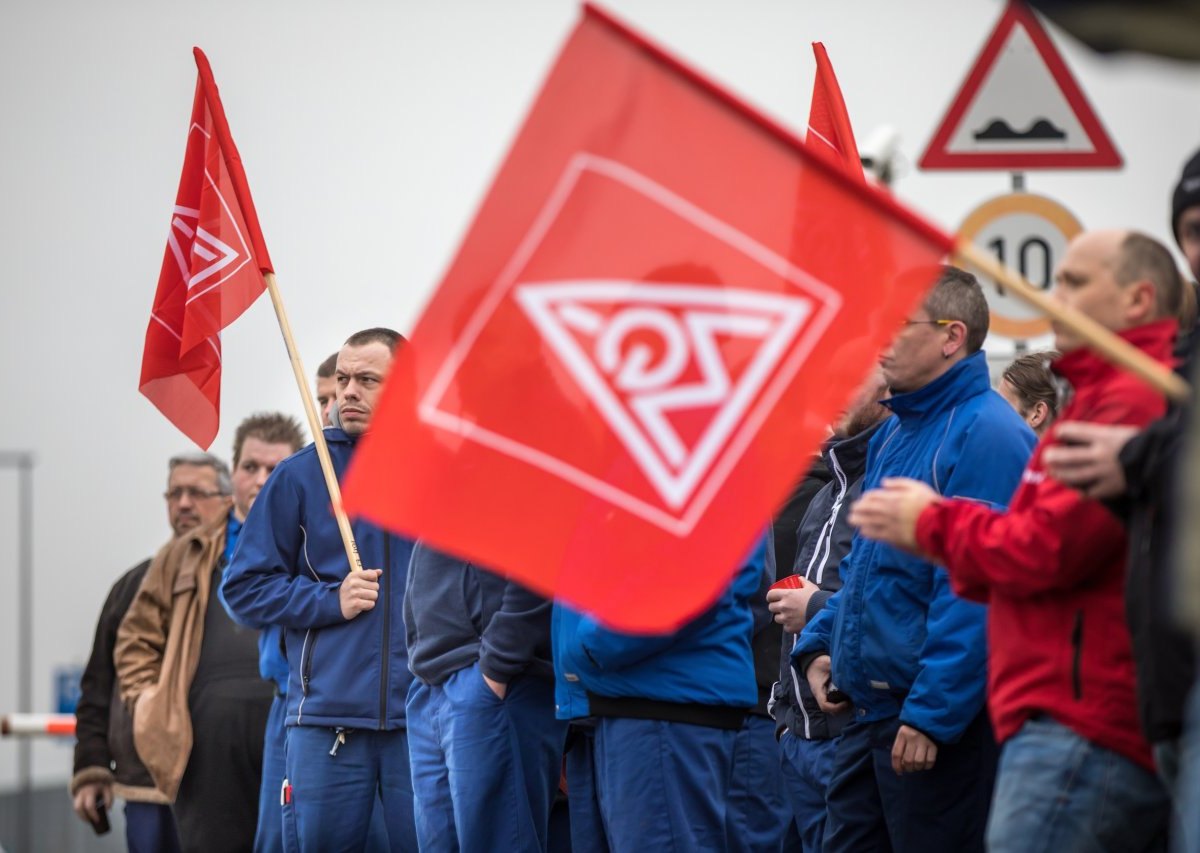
[35, 725]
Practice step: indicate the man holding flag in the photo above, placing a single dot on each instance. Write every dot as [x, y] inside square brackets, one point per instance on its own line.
[344, 629]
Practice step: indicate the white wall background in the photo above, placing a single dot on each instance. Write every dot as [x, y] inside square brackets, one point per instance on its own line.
[370, 131]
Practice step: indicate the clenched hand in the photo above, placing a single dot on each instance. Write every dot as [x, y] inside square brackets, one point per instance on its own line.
[359, 592]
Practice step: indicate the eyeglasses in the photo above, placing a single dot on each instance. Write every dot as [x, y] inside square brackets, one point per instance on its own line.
[176, 494]
[926, 322]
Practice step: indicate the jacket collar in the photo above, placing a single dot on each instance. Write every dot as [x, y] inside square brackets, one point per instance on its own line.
[337, 435]
[1082, 367]
[851, 451]
[966, 379]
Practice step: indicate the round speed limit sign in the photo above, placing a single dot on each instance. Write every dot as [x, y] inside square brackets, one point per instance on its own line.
[1028, 233]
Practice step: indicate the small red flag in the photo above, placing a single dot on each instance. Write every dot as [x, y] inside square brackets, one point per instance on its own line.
[828, 121]
[212, 270]
[637, 347]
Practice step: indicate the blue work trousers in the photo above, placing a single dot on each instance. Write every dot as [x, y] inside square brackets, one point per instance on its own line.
[268, 835]
[587, 825]
[871, 807]
[334, 790]
[662, 785]
[150, 828]
[758, 811]
[807, 767]
[485, 770]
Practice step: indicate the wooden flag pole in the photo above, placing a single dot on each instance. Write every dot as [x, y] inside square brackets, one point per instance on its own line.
[314, 424]
[1113, 348]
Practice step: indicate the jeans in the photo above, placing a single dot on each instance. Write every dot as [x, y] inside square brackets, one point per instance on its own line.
[1187, 789]
[1057, 791]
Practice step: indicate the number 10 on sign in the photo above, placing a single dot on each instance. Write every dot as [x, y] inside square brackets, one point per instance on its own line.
[1028, 233]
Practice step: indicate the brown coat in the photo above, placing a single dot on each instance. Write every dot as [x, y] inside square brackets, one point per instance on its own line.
[158, 648]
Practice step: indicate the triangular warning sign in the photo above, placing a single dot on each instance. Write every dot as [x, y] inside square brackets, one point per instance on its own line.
[1020, 108]
[672, 369]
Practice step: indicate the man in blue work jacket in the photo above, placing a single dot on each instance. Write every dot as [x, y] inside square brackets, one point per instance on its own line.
[344, 632]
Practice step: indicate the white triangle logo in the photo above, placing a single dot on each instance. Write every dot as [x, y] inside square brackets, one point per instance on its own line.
[205, 261]
[200, 255]
[599, 331]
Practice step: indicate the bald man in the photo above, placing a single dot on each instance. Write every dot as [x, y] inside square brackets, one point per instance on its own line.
[1076, 771]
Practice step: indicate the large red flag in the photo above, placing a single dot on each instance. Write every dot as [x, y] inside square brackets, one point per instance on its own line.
[828, 121]
[212, 270]
[636, 349]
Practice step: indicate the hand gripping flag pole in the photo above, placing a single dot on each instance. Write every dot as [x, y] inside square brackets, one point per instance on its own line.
[215, 265]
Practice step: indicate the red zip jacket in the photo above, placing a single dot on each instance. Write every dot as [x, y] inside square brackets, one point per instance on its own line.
[1052, 569]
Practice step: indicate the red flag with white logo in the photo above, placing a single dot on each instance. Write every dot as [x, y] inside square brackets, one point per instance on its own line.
[636, 351]
[828, 121]
[212, 270]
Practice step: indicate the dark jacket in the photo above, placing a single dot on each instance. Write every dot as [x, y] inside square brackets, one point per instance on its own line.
[104, 750]
[1163, 654]
[781, 553]
[823, 538]
[287, 570]
[456, 613]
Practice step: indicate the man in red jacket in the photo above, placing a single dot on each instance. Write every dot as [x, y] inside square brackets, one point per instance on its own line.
[1075, 771]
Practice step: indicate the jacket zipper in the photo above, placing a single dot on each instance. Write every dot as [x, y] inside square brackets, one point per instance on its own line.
[306, 672]
[387, 613]
[310, 644]
[1077, 658]
[825, 539]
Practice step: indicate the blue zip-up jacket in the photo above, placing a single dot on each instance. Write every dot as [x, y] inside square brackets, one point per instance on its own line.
[456, 614]
[902, 643]
[287, 571]
[705, 663]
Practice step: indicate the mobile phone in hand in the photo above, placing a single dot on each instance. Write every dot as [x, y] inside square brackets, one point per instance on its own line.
[100, 824]
[833, 696]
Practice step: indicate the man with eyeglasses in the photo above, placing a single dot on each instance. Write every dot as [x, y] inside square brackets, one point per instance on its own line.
[187, 670]
[106, 763]
[914, 768]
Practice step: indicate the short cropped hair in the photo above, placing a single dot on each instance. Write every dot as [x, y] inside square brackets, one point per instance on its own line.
[269, 428]
[378, 335]
[1031, 378]
[958, 296]
[203, 460]
[328, 367]
[1141, 257]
